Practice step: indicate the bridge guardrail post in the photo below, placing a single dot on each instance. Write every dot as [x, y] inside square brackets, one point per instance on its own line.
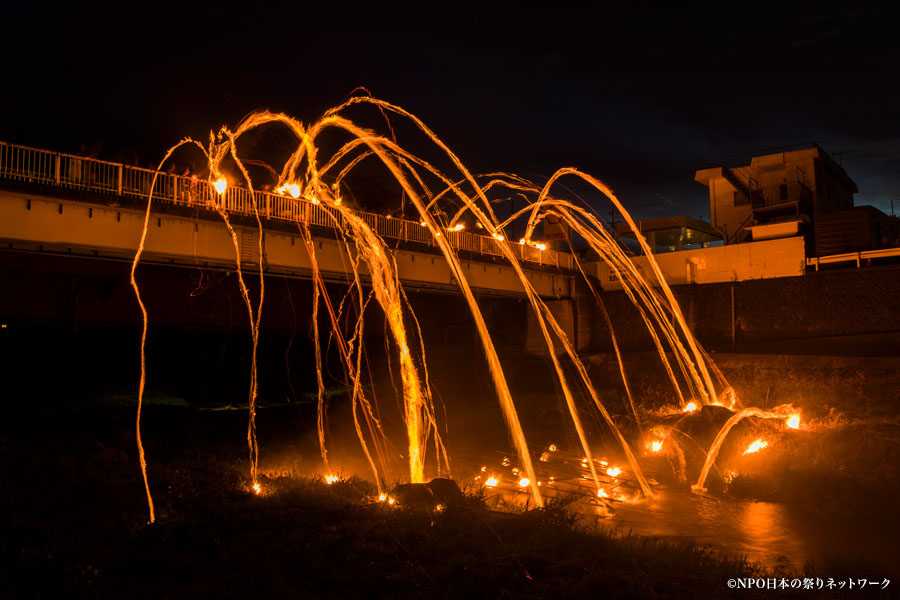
[57, 168]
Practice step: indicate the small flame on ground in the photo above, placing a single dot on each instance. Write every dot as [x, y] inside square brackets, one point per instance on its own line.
[553, 448]
[491, 482]
[524, 482]
[613, 471]
[545, 457]
[221, 185]
[794, 422]
[691, 407]
[756, 446]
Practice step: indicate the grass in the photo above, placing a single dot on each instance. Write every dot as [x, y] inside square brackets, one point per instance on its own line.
[76, 526]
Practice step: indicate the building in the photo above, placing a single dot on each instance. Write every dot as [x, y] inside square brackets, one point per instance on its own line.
[774, 193]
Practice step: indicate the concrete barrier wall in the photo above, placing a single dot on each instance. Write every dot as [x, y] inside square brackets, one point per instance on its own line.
[767, 259]
[845, 312]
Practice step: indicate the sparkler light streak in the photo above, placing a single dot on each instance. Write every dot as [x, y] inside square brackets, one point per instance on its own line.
[755, 447]
[780, 412]
[303, 179]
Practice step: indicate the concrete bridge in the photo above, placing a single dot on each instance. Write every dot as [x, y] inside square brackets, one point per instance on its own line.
[59, 204]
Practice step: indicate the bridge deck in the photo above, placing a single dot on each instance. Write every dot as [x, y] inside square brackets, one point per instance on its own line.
[67, 204]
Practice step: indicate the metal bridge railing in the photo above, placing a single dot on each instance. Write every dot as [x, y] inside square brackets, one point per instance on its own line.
[21, 163]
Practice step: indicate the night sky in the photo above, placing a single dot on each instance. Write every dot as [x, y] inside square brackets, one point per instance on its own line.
[633, 96]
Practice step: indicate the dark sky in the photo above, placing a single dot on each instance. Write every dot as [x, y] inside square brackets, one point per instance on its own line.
[632, 95]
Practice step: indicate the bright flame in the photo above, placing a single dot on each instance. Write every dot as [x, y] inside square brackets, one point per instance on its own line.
[294, 190]
[613, 471]
[391, 501]
[331, 479]
[458, 227]
[794, 422]
[524, 482]
[382, 497]
[257, 489]
[756, 446]
[541, 246]
[498, 237]
[553, 448]
[691, 407]
[601, 493]
[491, 482]
[656, 445]
[221, 185]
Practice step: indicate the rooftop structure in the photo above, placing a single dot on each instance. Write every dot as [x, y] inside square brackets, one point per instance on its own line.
[673, 233]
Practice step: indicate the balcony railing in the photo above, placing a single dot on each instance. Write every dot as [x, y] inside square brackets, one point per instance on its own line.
[21, 163]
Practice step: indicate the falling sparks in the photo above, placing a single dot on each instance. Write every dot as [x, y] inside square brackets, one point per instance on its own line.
[794, 422]
[318, 187]
[756, 446]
